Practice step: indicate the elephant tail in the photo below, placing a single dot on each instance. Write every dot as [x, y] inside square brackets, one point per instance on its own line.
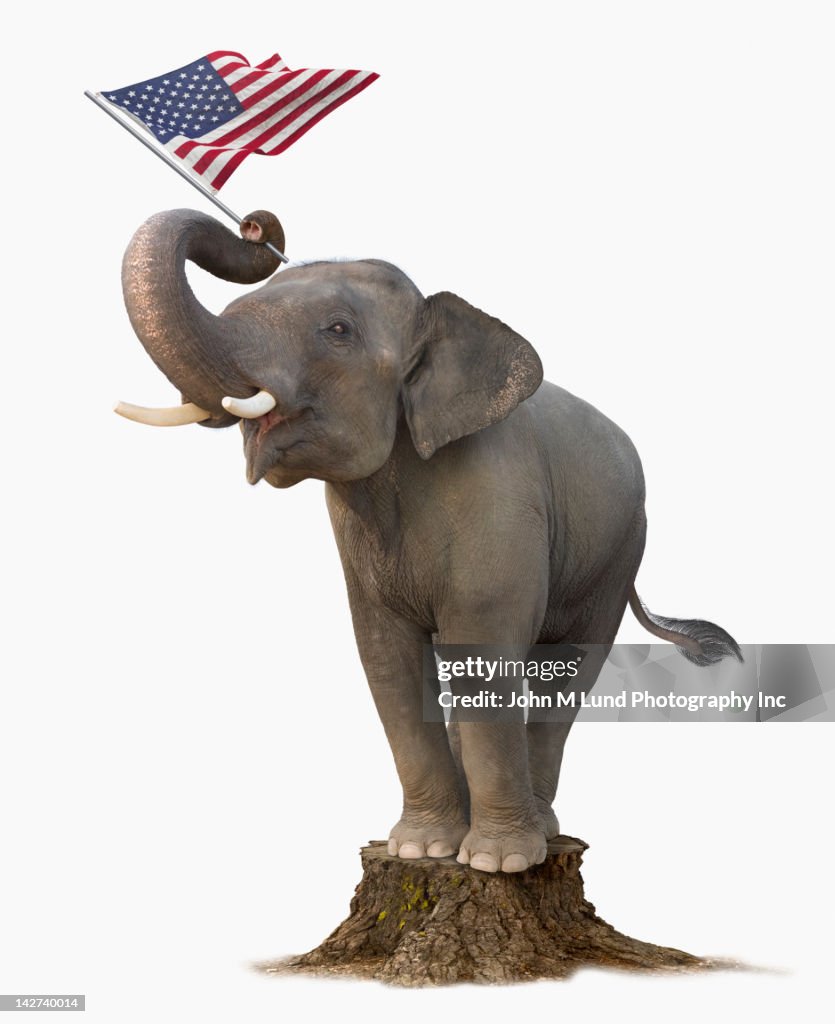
[703, 643]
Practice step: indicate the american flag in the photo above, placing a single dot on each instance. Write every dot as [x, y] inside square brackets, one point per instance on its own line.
[212, 113]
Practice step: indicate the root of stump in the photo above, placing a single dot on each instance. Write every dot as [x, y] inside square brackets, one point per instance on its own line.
[437, 922]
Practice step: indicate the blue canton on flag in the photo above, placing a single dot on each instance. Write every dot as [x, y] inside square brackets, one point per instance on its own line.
[186, 102]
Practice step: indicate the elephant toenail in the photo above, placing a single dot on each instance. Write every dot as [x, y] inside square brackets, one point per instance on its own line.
[484, 862]
[439, 849]
[411, 851]
[515, 862]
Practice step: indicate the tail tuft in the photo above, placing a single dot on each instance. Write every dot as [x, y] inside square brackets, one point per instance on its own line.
[703, 643]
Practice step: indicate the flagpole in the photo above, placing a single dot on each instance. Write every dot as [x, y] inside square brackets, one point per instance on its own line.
[168, 159]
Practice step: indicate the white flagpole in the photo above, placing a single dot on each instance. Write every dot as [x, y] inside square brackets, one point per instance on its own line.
[165, 156]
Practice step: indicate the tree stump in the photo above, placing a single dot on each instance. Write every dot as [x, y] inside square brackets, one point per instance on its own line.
[437, 922]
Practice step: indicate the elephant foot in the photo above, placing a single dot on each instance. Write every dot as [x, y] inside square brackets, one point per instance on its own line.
[414, 837]
[493, 847]
[548, 820]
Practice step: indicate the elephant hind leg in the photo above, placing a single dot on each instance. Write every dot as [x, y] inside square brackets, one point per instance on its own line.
[454, 737]
[594, 622]
[546, 740]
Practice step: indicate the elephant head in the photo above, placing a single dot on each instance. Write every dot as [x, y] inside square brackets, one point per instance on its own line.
[321, 362]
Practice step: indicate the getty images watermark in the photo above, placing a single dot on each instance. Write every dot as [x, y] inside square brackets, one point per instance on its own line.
[634, 682]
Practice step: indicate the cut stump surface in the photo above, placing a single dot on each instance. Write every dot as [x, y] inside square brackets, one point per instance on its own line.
[437, 922]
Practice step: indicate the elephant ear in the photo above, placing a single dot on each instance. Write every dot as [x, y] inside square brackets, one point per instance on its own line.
[471, 371]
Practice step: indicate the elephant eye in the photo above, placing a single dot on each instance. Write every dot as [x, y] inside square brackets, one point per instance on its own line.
[340, 328]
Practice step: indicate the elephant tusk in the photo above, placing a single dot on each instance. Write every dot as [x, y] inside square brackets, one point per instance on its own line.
[174, 416]
[250, 408]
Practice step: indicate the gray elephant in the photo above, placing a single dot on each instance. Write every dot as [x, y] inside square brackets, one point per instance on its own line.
[471, 502]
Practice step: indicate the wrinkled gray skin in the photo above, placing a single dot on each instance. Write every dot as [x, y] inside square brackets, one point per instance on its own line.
[470, 502]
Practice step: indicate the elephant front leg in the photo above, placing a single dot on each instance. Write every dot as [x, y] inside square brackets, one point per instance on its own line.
[434, 820]
[506, 829]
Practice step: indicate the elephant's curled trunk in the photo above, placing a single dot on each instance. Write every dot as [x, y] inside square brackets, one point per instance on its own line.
[203, 355]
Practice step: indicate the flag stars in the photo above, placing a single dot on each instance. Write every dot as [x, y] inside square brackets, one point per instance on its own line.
[183, 74]
[166, 81]
[131, 93]
[201, 67]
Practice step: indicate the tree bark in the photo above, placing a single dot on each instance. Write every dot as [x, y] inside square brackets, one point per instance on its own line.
[437, 922]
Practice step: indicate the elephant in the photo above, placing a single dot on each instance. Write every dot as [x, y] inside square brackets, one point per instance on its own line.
[471, 502]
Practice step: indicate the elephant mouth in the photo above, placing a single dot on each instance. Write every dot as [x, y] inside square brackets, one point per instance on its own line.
[268, 438]
[272, 420]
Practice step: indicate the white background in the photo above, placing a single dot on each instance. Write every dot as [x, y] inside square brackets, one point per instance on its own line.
[189, 755]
